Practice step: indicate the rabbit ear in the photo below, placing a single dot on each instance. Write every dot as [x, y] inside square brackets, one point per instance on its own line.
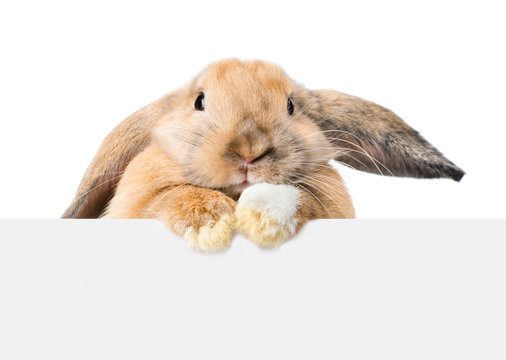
[371, 138]
[124, 142]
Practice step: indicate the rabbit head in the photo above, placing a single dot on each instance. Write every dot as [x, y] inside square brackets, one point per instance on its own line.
[240, 123]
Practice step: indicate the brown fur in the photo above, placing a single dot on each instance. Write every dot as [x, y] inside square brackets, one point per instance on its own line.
[374, 139]
[183, 166]
[119, 147]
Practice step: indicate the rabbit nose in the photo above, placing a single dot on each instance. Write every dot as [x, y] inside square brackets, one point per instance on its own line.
[248, 160]
[250, 144]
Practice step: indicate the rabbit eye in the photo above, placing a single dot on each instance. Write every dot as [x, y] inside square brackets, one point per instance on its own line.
[199, 102]
[289, 106]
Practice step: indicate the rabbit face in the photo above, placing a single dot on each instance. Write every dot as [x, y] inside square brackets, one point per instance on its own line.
[242, 123]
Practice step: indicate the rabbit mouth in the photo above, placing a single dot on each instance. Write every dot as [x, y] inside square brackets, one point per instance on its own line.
[244, 185]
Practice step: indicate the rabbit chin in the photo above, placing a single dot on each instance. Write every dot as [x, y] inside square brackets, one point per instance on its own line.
[244, 185]
[236, 189]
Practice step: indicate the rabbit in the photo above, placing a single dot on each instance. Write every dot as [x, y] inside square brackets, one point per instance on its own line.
[243, 147]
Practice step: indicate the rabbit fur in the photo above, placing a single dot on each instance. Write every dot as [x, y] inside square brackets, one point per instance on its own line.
[243, 147]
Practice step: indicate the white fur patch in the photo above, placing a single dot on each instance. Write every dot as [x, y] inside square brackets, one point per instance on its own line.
[278, 202]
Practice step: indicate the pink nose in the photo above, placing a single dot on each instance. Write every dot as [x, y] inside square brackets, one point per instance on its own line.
[250, 160]
[246, 162]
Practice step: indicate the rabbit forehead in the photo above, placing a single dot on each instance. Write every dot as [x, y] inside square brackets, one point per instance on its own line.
[245, 83]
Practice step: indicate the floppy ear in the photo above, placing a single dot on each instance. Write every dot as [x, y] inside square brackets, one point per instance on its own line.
[122, 144]
[371, 138]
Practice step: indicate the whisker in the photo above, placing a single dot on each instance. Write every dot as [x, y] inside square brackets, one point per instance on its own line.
[362, 150]
[339, 190]
[325, 193]
[314, 196]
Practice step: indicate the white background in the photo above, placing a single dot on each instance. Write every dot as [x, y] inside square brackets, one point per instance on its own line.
[70, 71]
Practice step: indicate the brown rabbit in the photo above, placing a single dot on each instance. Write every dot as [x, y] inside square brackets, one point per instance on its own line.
[243, 147]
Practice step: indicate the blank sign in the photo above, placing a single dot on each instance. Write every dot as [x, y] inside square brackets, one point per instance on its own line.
[129, 289]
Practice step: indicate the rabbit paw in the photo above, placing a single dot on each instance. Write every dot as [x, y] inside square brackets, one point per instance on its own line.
[210, 224]
[265, 213]
[213, 236]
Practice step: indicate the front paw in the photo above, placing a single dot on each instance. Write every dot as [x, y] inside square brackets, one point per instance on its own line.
[210, 224]
[265, 213]
[211, 237]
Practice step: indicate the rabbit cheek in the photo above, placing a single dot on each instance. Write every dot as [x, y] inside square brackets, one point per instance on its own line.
[208, 168]
[316, 148]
